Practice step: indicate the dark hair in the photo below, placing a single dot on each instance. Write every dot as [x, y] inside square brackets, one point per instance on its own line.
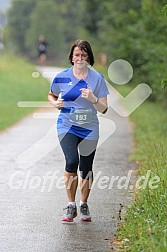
[84, 46]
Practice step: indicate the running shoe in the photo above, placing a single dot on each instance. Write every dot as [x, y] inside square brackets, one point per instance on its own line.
[84, 213]
[71, 213]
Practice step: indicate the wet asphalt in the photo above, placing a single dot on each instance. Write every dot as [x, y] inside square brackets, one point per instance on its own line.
[32, 189]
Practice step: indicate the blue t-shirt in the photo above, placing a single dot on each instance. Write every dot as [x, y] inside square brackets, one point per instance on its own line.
[69, 87]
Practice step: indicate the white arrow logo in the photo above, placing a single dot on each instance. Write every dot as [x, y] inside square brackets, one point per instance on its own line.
[120, 72]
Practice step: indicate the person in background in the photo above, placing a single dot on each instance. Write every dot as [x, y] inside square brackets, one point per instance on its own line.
[78, 93]
[42, 49]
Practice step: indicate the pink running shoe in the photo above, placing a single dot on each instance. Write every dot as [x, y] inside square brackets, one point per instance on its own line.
[84, 213]
[71, 213]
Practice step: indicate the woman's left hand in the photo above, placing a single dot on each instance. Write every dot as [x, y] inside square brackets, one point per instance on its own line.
[87, 93]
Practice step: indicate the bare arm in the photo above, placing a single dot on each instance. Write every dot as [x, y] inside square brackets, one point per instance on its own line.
[101, 104]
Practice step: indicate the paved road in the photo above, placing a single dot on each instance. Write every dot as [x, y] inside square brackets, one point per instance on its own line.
[33, 194]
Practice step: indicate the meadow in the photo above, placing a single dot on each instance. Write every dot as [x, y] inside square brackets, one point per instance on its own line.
[17, 84]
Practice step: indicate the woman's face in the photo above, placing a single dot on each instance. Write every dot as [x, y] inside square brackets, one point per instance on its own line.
[80, 58]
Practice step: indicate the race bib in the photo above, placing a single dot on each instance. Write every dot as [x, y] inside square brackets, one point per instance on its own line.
[81, 116]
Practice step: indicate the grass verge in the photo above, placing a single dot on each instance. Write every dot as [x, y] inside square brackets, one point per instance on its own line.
[17, 84]
[145, 224]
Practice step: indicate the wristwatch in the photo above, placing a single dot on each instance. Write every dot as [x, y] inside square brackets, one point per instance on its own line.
[97, 99]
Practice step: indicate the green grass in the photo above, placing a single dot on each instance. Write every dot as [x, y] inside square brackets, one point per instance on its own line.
[144, 227]
[17, 84]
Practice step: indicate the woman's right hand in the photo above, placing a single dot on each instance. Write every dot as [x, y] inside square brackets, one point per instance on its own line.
[56, 101]
[59, 104]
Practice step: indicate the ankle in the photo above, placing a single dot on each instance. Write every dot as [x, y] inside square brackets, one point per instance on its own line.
[82, 202]
[73, 203]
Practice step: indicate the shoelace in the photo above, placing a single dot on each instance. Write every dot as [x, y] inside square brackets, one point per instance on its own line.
[65, 208]
[69, 208]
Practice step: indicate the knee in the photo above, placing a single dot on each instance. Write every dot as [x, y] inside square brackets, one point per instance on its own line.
[72, 165]
[88, 175]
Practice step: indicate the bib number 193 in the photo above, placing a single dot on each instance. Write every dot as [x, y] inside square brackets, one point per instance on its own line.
[81, 117]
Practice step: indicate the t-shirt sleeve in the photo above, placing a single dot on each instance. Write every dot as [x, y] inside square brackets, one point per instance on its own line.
[55, 88]
[101, 88]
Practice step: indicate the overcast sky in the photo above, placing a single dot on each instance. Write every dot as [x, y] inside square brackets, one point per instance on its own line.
[4, 4]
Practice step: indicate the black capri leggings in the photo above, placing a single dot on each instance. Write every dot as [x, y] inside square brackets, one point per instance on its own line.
[78, 151]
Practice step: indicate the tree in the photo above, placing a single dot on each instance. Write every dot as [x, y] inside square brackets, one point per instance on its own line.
[132, 30]
[19, 22]
[136, 32]
[57, 20]
[44, 19]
